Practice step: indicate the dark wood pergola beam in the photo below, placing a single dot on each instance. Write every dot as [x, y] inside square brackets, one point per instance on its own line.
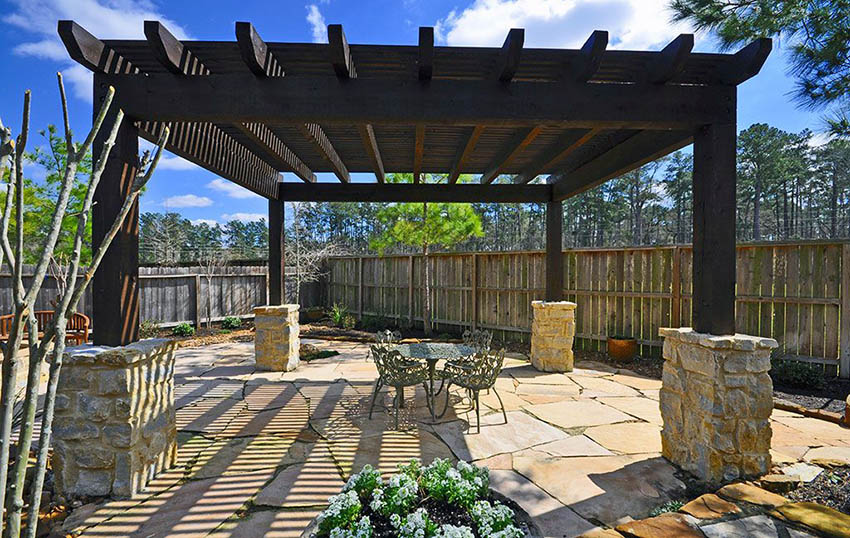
[255, 53]
[410, 192]
[345, 69]
[510, 152]
[316, 135]
[274, 148]
[585, 65]
[304, 99]
[510, 55]
[555, 153]
[425, 61]
[672, 60]
[418, 152]
[748, 62]
[170, 52]
[465, 153]
[635, 151]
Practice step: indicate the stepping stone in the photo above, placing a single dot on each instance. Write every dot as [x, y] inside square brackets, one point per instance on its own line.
[606, 488]
[640, 407]
[593, 366]
[830, 456]
[666, 525]
[550, 393]
[806, 472]
[512, 401]
[779, 483]
[302, 484]
[575, 414]
[209, 416]
[783, 435]
[759, 526]
[787, 454]
[751, 494]
[599, 532]
[820, 429]
[273, 396]
[628, 437]
[287, 421]
[575, 446]
[553, 518]
[815, 516]
[528, 374]
[501, 462]
[247, 454]
[710, 506]
[595, 387]
[268, 524]
[522, 431]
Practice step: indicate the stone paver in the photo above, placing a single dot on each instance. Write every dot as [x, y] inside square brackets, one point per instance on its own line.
[522, 431]
[667, 525]
[829, 455]
[820, 518]
[751, 494]
[628, 437]
[574, 414]
[289, 440]
[759, 526]
[710, 506]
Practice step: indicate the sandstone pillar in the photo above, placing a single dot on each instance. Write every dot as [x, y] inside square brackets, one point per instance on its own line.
[716, 400]
[552, 331]
[114, 427]
[276, 340]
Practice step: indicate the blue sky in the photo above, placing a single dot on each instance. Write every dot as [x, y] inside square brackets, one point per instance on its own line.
[32, 54]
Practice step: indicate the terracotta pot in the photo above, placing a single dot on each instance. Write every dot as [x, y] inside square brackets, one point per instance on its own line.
[621, 348]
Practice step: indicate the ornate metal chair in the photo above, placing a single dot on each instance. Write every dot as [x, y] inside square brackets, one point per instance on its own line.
[387, 337]
[478, 339]
[476, 375]
[394, 370]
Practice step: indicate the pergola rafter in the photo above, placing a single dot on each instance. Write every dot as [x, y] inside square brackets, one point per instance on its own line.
[249, 109]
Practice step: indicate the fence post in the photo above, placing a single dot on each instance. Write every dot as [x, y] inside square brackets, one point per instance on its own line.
[410, 290]
[474, 291]
[844, 359]
[676, 303]
[360, 287]
[197, 301]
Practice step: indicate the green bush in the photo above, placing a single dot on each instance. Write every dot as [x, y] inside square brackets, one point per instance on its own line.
[337, 314]
[231, 323]
[791, 373]
[348, 322]
[183, 329]
[149, 328]
[375, 323]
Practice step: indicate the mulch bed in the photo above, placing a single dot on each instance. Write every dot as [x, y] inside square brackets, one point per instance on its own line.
[830, 488]
[830, 397]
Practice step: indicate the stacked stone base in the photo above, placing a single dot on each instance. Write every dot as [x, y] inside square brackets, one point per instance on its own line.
[277, 337]
[553, 329]
[114, 427]
[716, 400]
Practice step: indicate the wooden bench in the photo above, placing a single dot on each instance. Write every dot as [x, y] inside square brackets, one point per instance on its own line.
[77, 327]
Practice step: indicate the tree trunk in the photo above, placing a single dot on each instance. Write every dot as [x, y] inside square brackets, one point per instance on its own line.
[426, 284]
[833, 206]
[757, 211]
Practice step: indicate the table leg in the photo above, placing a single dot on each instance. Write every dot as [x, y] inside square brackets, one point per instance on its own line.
[432, 372]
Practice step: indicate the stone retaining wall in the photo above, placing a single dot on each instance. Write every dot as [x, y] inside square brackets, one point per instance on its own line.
[716, 400]
[552, 331]
[276, 341]
[114, 427]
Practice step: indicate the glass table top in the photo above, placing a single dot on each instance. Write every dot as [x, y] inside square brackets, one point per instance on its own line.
[434, 350]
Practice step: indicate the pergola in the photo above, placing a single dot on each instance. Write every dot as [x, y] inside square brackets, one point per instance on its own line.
[248, 110]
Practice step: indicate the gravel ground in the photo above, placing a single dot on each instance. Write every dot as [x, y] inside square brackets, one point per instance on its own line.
[831, 397]
[831, 488]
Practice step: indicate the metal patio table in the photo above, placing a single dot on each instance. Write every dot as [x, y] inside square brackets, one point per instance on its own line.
[431, 352]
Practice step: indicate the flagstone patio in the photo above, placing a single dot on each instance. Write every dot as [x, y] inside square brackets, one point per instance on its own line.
[260, 452]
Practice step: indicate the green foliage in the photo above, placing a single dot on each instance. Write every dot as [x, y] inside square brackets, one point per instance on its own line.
[460, 486]
[149, 328]
[397, 496]
[183, 329]
[342, 512]
[817, 33]
[670, 506]
[376, 323]
[339, 316]
[231, 323]
[364, 482]
[791, 373]
[495, 519]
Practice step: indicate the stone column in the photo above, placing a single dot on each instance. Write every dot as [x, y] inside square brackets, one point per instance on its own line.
[552, 331]
[114, 427]
[716, 400]
[276, 340]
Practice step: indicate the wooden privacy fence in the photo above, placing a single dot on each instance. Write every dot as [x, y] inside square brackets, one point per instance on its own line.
[171, 295]
[793, 292]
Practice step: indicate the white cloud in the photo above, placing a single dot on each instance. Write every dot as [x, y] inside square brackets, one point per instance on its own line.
[317, 23]
[208, 222]
[631, 24]
[230, 189]
[244, 217]
[819, 139]
[187, 200]
[107, 19]
[173, 162]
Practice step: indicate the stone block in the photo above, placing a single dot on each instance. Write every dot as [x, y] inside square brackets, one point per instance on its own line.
[277, 338]
[716, 407]
[117, 431]
[552, 334]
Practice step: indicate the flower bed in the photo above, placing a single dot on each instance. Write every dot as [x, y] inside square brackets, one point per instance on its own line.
[434, 501]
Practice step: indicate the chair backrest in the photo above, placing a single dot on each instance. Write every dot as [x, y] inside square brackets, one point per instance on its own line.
[387, 337]
[78, 322]
[44, 318]
[392, 366]
[485, 369]
[478, 339]
[6, 324]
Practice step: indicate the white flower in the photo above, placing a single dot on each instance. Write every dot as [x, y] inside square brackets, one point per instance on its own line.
[450, 531]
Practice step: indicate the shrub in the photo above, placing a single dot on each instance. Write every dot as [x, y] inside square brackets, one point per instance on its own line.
[791, 373]
[337, 314]
[149, 328]
[231, 323]
[376, 323]
[348, 322]
[183, 329]
[458, 494]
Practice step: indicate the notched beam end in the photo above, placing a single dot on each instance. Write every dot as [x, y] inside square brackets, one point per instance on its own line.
[167, 49]
[82, 47]
[253, 49]
[340, 53]
[426, 52]
[671, 60]
[747, 62]
[511, 53]
[589, 57]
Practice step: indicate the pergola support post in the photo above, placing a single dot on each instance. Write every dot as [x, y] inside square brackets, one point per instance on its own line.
[116, 310]
[277, 263]
[554, 257]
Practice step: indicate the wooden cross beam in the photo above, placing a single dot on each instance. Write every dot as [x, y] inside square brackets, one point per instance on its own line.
[510, 152]
[464, 154]
[587, 62]
[556, 153]
[410, 192]
[672, 60]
